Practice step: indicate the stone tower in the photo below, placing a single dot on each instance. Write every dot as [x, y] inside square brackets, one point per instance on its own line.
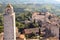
[9, 23]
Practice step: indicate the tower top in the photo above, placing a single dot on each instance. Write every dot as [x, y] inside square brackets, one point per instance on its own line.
[9, 6]
[9, 9]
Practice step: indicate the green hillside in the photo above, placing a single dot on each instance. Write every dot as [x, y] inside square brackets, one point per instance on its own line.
[19, 8]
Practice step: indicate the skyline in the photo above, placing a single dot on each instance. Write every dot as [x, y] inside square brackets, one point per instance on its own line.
[29, 1]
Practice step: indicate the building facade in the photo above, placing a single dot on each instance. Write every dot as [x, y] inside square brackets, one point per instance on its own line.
[49, 21]
[9, 23]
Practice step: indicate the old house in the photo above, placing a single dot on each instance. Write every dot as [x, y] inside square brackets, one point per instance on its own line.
[48, 20]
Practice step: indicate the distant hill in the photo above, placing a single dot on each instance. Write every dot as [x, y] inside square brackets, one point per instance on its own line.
[18, 8]
[30, 1]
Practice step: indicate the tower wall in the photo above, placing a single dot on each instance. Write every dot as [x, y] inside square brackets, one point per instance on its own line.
[9, 26]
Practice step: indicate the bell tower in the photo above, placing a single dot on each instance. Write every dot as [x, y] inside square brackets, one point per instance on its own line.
[9, 23]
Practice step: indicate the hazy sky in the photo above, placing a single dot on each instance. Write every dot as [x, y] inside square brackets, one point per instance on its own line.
[29, 1]
[57, 0]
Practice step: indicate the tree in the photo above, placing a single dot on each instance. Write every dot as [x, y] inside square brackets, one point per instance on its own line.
[1, 23]
[1, 29]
